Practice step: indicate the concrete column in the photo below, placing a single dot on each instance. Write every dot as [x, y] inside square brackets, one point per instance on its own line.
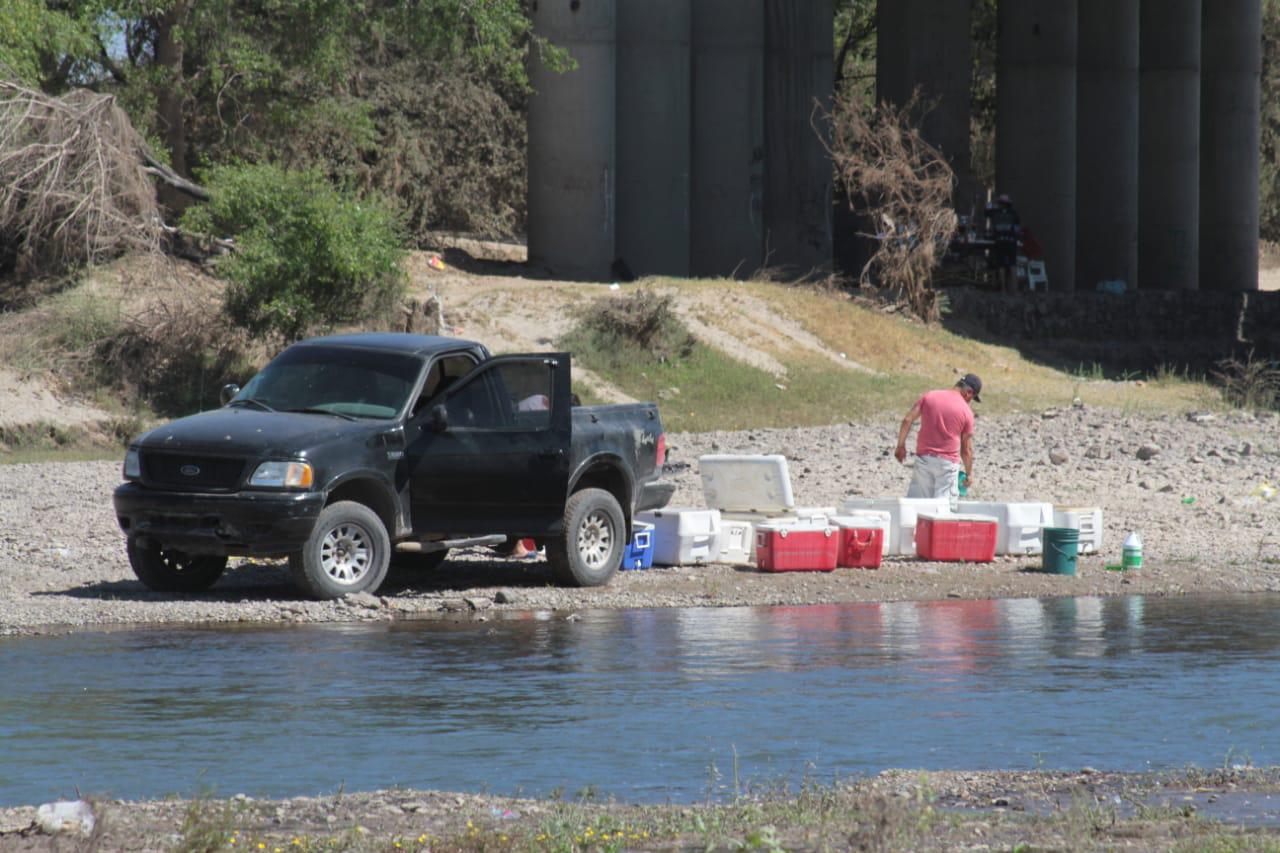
[1229, 158]
[926, 44]
[572, 162]
[799, 69]
[1036, 125]
[1107, 143]
[1169, 145]
[728, 137]
[654, 121]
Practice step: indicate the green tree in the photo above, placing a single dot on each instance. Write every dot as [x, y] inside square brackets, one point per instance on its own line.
[307, 254]
[40, 45]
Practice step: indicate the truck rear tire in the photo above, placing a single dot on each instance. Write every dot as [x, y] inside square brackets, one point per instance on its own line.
[590, 551]
[167, 570]
[348, 552]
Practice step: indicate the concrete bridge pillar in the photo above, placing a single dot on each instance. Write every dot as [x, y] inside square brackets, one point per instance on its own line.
[654, 120]
[1036, 125]
[728, 137]
[1169, 145]
[1230, 102]
[572, 155]
[1107, 143]
[926, 44]
[798, 70]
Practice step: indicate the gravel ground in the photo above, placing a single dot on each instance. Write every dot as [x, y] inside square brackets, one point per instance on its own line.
[64, 565]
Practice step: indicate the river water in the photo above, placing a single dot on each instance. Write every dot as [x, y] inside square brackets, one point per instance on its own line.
[647, 705]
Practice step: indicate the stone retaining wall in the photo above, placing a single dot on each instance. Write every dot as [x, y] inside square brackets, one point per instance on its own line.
[1138, 331]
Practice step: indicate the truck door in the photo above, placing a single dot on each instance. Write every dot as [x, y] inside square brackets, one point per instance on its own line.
[499, 461]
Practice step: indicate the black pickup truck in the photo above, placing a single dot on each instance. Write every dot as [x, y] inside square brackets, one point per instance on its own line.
[346, 449]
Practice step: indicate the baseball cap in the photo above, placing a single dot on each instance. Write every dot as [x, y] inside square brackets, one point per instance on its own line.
[975, 383]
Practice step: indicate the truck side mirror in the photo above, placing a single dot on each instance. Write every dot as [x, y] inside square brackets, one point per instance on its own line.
[438, 420]
[228, 393]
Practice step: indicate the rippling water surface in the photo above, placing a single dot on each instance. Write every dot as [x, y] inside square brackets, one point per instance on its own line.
[646, 704]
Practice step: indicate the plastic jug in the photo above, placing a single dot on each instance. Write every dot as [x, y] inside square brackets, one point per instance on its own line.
[1132, 555]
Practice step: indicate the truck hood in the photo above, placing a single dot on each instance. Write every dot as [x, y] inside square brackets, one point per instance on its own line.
[249, 432]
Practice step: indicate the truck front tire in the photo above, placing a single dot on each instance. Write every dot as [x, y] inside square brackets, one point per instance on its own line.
[167, 570]
[590, 551]
[348, 552]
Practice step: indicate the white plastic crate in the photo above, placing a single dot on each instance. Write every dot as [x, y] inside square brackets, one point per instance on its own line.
[1086, 519]
[746, 483]
[1021, 525]
[902, 517]
[683, 536]
[737, 542]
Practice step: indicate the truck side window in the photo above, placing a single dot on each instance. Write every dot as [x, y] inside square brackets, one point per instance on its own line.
[443, 373]
[509, 396]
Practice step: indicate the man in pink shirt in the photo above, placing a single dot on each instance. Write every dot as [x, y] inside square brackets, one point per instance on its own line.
[945, 439]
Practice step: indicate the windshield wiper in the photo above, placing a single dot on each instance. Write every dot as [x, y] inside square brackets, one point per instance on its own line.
[252, 401]
[312, 410]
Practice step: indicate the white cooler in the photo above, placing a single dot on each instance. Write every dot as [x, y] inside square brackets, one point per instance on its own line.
[683, 537]
[902, 517]
[1020, 527]
[1086, 519]
[746, 483]
[737, 542]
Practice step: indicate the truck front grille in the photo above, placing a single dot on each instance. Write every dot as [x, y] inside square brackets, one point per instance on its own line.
[197, 473]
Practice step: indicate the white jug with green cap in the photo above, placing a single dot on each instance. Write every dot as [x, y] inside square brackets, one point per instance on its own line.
[1132, 554]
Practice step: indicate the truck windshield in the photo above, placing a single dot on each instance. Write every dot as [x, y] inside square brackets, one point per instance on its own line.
[334, 380]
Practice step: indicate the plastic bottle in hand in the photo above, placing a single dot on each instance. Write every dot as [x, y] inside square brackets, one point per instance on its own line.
[962, 484]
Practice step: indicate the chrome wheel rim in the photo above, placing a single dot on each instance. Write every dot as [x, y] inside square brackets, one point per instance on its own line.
[595, 539]
[346, 554]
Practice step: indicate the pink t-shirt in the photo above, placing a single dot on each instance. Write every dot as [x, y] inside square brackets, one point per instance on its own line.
[944, 418]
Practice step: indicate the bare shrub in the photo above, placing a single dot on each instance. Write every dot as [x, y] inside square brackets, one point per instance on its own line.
[1249, 382]
[73, 188]
[644, 319]
[902, 184]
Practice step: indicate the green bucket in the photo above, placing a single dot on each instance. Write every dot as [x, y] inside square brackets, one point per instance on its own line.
[1061, 546]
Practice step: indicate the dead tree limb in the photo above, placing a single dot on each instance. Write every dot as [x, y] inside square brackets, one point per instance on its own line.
[73, 187]
[900, 184]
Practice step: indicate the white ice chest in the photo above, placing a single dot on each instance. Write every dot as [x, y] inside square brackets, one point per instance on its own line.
[1086, 519]
[683, 536]
[736, 525]
[750, 484]
[902, 517]
[1019, 526]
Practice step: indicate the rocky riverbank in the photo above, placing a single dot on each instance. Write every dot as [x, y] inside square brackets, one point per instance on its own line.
[1196, 488]
[1228, 809]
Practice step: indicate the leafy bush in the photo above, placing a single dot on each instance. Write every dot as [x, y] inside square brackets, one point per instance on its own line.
[307, 254]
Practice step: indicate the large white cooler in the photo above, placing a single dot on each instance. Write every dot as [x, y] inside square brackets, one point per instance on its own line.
[683, 537]
[1020, 525]
[737, 542]
[746, 483]
[1086, 519]
[902, 517]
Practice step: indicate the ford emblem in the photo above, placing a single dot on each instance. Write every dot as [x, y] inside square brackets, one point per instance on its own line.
[189, 470]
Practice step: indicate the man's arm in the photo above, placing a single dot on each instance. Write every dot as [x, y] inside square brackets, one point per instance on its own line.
[966, 456]
[900, 452]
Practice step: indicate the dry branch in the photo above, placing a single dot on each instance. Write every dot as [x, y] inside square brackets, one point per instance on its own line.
[73, 187]
[901, 184]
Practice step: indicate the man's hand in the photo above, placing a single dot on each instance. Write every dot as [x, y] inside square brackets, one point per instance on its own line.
[900, 453]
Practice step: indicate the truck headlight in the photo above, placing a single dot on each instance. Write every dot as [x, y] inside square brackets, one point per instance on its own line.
[132, 465]
[283, 475]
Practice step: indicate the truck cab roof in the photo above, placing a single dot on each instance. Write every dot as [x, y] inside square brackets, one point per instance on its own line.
[399, 342]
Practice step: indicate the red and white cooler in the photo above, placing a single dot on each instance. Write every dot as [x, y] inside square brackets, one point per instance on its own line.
[863, 537]
[956, 538]
[797, 547]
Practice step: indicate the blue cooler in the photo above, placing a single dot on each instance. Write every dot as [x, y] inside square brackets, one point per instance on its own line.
[639, 551]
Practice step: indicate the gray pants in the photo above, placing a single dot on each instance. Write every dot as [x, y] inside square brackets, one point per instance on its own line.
[935, 477]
